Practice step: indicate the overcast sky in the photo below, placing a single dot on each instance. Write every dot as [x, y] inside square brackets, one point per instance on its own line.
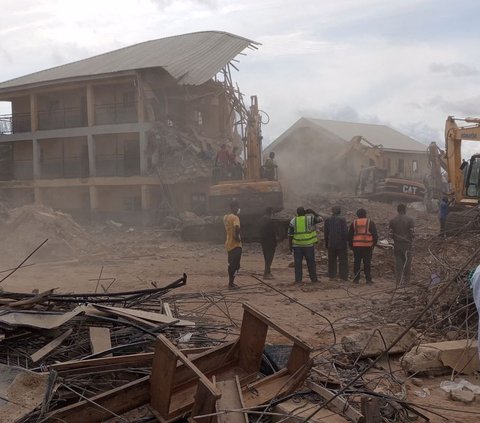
[404, 63]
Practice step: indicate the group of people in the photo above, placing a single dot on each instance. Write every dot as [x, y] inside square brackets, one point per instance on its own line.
[361, 237]
[228, 164]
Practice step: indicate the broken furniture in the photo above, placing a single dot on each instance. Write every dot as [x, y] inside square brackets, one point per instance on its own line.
[179, 385]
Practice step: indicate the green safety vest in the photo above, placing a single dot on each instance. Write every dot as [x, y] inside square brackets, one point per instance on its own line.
[304, 235]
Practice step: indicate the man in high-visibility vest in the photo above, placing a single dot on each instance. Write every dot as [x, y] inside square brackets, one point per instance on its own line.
[302, 239]
[362, 237]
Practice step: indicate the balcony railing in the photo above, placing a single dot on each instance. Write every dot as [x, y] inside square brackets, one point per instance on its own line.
[73, 117]
[12, 124]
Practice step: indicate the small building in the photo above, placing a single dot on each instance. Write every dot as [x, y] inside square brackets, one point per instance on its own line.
[128, 134]
[310, 160]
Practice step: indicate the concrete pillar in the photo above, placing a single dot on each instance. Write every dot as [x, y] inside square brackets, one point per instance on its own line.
[38, 195]
[92, 165]
[143, 151]
[36, 159]
[93, 191]
[33, 112]
[146, 197]
[147, 214]
[90, 105]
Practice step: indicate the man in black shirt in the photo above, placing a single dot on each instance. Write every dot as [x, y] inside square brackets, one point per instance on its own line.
[268, 240]
[336, 238]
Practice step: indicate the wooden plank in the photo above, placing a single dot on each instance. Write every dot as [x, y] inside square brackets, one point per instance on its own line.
[266, 319]
[205, 400]
[231, 399]
[42, 296]
[100, 407]
[47, 349]
[298, 358]
[338, 404]
[207, 362]
[100, 339]
[162, 377]
[112, 363]
[167, 310]
[253, 335]
[146, 315]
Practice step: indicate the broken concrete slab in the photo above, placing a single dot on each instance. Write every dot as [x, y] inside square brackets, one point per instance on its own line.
[462, 395]
[371, 343]
[21, 391]
[442, 357]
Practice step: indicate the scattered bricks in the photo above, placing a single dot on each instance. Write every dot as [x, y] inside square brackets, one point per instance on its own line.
[372, 343]
[441, 357]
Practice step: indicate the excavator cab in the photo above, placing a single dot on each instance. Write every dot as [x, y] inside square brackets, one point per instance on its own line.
[472, 177]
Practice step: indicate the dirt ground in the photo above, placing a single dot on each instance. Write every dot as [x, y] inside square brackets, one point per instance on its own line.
[134, 258]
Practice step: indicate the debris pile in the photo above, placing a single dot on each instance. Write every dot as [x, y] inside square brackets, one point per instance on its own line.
[27, 226]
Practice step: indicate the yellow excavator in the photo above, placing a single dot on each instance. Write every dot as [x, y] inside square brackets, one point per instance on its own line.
[373, 182]
[463, 176]
[254, 192]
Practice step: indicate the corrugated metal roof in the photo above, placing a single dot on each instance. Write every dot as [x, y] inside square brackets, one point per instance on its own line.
[376, 134]
[190, 58]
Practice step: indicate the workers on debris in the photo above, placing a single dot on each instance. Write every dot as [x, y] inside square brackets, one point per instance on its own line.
[336, 239]
[270, 167]
[362, 238]
[235, 165]
[233, 242]
[302, 239]
[268, 241]
[402, 228]
[442, 215]
[221, 164]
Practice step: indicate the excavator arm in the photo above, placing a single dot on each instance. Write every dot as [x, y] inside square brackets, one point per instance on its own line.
[454, 135]
[370, 151]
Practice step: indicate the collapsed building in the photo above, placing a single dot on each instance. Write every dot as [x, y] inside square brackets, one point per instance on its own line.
[130, 134]
[317, 155]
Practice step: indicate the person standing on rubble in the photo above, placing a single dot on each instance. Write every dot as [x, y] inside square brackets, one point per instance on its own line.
[362, 238]
[336, 239]
[442, 215]
[402, 228]
[268, 241]
[233, 242]
[302, 237]
[221, 163]
[270, 167]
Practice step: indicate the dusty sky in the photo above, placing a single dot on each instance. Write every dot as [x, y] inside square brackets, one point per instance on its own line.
[404, 63]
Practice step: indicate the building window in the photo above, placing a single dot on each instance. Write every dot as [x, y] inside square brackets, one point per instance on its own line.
[53, 105]
[132, 203]
[371, 162]
[389, 165]
[415, 166]
[128, 99]
[401, 166]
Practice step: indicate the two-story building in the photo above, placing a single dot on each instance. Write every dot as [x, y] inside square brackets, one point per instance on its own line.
[129, 131]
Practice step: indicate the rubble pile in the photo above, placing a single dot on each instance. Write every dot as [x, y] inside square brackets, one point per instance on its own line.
[28, 226]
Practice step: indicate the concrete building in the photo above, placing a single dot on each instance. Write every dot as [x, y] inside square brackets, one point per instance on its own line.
[309, 154]
[127, 134]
